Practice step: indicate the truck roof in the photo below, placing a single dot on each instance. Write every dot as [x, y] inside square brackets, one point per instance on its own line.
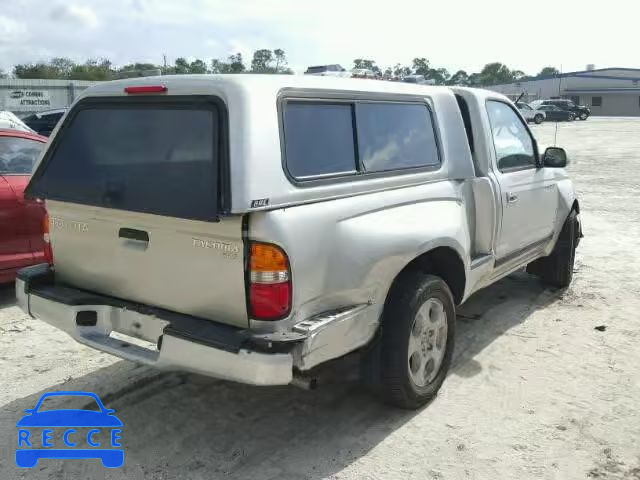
[260, 84]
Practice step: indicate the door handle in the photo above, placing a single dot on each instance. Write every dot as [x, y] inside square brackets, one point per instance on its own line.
[133, 234]
[512, 197]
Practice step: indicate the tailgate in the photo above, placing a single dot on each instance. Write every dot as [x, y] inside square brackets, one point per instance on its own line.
[133, 189]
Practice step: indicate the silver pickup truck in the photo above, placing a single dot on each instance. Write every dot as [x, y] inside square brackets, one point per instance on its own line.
[252, 228]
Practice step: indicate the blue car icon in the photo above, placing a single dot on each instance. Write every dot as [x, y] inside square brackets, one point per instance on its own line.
[27, 453]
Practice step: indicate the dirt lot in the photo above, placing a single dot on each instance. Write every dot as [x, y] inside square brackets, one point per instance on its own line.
[536, 391]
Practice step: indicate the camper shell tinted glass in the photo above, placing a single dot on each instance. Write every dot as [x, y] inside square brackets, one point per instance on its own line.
[144, 155]
[323, 138]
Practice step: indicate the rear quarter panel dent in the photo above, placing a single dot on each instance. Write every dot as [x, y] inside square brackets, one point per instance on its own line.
[349, 251]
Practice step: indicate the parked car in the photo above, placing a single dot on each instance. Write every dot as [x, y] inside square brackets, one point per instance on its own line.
[530, 114]
[556, 114]
[579, 111]
[362, 73]
[323, 216]
[21, 242]
[334, 70]
[9, 121]
[44, 122]
[418, 79]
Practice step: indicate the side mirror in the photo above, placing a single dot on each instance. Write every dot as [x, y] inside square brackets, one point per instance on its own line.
[554, 157]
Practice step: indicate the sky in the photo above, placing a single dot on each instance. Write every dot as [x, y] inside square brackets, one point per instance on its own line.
[454, 34]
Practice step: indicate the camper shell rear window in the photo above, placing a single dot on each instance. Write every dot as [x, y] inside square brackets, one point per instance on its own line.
[161, 156]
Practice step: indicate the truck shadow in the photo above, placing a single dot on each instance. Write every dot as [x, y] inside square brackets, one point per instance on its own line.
[493, 311]
[187, 426]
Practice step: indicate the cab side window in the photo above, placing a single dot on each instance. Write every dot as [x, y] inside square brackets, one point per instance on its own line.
[511, 139]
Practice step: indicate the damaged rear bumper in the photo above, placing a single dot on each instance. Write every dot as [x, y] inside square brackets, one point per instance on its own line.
[174, 341]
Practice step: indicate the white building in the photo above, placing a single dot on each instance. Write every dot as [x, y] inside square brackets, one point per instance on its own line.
[606, 91]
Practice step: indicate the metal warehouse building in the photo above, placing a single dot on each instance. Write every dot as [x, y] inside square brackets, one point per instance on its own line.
[22, 96]
[606, 91]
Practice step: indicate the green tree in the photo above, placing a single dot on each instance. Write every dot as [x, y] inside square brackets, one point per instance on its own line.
[233, 64]
[519, 75]
[57, 68]
[548, 71]
[281, 60]
[262, 60]
[401, 71]
[92, 69]
[474, 80]
[218, 66]
[459, 78]
[2, 74]
[180, 66]
[420, 66]
[138, 67]
[495, 73]
[440, 75]
[236, 64]
[367, 64]
[197, 66]
[63, 66]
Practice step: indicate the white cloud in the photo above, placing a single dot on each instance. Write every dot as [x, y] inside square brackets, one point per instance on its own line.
[75, 15]
[212, 43]
[460, 34]
[11, 30]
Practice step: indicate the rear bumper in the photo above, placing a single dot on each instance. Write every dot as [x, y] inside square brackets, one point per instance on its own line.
[150, 336]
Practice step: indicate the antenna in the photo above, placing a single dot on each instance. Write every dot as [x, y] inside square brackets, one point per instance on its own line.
[555, 135]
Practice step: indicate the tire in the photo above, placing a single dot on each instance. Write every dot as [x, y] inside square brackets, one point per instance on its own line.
[538, 119]
[583, 116]
[571, 117]
[415, 298]
[556, 270]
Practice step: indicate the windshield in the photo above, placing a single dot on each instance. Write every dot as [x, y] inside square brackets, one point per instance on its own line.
[142, 157]
[18, 155]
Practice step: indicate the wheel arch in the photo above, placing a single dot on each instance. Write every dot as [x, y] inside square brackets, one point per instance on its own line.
[575, 207]
[443, 261]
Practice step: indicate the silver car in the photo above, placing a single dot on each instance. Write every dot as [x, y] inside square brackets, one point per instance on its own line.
[531, 114]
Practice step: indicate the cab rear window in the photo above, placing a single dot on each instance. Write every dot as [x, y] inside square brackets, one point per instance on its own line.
[159, 159]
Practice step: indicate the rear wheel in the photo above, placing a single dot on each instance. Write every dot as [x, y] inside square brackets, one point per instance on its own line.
[416, 341]
[571, 117]
[538, 119]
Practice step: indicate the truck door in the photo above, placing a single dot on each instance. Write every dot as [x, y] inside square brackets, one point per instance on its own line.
[528, 194]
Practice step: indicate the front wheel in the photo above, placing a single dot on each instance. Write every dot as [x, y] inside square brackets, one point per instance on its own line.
[538, 119]
[556, 270]
[417, 339]
[583, 116]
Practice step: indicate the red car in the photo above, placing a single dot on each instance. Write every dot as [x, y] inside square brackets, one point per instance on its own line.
[21, 221]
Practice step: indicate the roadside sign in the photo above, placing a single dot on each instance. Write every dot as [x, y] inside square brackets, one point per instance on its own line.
[25, 98]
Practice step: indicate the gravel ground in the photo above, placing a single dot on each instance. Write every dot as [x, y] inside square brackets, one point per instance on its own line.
[536, 390]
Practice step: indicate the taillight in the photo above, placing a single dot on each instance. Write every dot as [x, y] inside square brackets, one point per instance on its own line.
[269, 282]
[48, 252]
